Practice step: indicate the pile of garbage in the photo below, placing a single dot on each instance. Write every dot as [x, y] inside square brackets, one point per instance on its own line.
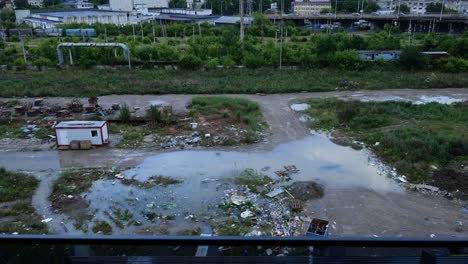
[269, 213]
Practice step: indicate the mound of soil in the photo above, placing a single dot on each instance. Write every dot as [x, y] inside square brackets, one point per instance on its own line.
[451, 180]
[306, 190]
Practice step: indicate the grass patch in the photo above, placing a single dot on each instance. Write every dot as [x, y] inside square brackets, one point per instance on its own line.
[102, 227]
[252, 178]
[16, 190]
[93, 82]
[77, 181]
[132, 136]
[411, 137]
[219, 107]
[159, 180]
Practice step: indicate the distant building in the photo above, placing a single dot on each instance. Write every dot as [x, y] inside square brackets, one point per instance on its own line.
[83, 5]
[50, 19]
[418, 7]
[232, 20]
[39, 3]
[133, 5]
[311, 7]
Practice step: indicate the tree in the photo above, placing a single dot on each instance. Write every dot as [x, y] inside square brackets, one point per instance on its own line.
[433, 8]
[21, 4]
[178, 4]
[371, 6]
[404, 9]
[411, 58]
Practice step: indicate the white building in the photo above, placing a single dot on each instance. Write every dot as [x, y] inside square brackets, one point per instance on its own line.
[84, 5]
[418, 7]
[50, 19]
[94, 131]
[39, 3]
[311, 7]
[131, 5]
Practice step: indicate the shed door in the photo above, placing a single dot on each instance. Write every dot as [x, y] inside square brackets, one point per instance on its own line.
[63, 138]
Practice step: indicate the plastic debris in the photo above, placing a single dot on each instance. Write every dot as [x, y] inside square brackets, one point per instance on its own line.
[237, 199]
[194, 125]
[47, 220]
[246, 214]
[275, 192]
[70, 196]
[269, 251]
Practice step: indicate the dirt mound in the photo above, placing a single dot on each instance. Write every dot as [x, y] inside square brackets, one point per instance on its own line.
[451, 180]
[306, 190]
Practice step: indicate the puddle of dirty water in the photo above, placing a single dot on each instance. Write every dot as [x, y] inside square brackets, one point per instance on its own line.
[203, 174]
[317, 158]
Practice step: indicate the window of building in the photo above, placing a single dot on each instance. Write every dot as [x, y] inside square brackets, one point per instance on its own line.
[94, 133]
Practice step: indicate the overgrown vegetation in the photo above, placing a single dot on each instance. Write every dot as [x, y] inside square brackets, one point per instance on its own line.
[77, 181]
[239, 109]
[84, 83]
[252, 179]
[124, 114]
[412, 138]
[18, 215]
[102, 227]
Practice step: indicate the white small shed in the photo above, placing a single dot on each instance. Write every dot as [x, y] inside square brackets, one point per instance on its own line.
[94, 131]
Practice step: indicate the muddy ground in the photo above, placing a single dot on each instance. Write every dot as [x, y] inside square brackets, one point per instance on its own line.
[355, 209]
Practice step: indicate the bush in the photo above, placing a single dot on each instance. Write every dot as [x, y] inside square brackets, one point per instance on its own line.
[411, 58]
[455, 65]
[125, 114]
[348, 60]
[42, 62]
[154, 115]
[190, 62]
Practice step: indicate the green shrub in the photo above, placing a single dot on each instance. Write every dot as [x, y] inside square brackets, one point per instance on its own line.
[124, 114]
[42, 62]
[411, 58]
[190, 62]
[455, 65]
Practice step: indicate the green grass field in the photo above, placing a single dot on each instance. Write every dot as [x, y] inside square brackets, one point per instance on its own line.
[83, 83]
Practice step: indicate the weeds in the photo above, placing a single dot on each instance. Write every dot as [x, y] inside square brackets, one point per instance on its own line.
[102, 227]
[85, 83]
[252, 178]
[411, 137]
[124, 114]
[16, 190]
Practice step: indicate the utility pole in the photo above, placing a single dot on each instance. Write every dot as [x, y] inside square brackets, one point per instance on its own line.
[133, 30]
[241, 13]
[336, 7]
[199, 30]
[398, 13]
[154, 33]
[105, 32]
[281, 35]
[193, 33]
[441, 10]
[141, 28]
[24, 50]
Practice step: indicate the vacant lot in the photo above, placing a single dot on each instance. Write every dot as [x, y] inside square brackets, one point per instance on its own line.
[82, 83]
[418, 140]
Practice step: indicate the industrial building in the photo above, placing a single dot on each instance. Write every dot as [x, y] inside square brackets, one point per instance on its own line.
[311, 7]
[50, 19]
[418, 7]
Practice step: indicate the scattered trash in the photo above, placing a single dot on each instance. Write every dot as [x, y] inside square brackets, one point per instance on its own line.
[14, 233]
[432, 235]
[246, 214]
[119, 176]
[269, 251]
[300, 107]
[47, 220]
[136, 108]
[288, 170]
[401, 179]
[70, 196]
[207, 135]
[318, 227]
[237, 199]
[275, 192]
[194, 125]
[426, 187]
[376, 144]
